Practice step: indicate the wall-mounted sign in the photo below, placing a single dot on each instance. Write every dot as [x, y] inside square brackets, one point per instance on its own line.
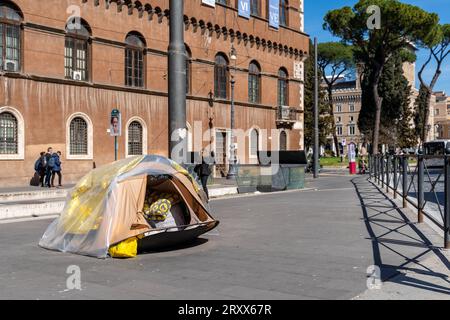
[244, 8]
[211, 3]
[298, 70]
[274, 13]
[115, 124]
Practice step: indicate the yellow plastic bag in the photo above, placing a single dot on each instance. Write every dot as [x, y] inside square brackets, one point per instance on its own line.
[125, 249]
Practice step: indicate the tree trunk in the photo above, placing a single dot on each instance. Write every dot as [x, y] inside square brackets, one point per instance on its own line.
[429, 89]
[333, 123]
[378, 104]
[426, 115]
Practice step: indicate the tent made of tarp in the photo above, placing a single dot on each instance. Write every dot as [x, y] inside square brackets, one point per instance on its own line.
[105, 208]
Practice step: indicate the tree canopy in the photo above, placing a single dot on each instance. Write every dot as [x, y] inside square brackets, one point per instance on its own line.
[400, 25]
[438, 45]
[336, 60]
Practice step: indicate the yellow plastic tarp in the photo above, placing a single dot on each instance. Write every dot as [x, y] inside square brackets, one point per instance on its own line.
[125, 249]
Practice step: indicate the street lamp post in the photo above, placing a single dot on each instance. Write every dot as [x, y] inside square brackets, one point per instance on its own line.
[177, 83]
[232, 165]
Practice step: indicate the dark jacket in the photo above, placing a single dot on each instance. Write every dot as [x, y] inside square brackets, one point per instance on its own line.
[57, 161]
[47, 159]
[203, 169]
[39, 165]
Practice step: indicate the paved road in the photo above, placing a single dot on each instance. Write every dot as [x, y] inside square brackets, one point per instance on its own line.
[314, 244]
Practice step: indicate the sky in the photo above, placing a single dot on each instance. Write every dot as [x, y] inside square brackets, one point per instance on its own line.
[315, 10]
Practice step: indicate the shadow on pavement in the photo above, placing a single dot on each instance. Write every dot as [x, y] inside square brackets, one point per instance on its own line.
[396, 241]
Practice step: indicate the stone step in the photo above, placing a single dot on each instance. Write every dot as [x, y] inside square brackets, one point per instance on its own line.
[32, 195]
[217, 192]
[31, 208]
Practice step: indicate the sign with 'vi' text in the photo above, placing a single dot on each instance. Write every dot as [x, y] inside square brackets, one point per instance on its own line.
[244, 8]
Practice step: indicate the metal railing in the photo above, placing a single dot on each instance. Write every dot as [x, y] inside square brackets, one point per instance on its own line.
[422, 181]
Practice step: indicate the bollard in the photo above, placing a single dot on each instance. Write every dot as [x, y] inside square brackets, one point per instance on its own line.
[395, 176]
[382, 170]
[404, 180]
[447, 204]
[376, 168]
[388, 168]
[420, 194]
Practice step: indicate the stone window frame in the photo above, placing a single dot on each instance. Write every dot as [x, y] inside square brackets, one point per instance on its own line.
[90, 137]
[258, 130]
[287, 139]
[144, 135]
[20, 155]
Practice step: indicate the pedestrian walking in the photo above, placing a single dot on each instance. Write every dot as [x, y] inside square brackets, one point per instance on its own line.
[50, 163]
[203, 171]
[57, 169]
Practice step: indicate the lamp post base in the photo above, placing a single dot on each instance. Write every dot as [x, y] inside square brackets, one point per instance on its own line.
[232, 172]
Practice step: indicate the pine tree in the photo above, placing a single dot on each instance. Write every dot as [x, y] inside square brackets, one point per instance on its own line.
[396, 125]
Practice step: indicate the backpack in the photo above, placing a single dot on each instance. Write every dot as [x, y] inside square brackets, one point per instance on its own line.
[51, 162]
[38, 165]
[205, 170]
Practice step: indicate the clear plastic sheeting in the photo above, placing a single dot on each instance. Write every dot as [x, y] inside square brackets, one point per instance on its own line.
[105, 207]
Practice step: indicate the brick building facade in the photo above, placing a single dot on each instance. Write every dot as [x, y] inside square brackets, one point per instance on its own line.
[59, 83]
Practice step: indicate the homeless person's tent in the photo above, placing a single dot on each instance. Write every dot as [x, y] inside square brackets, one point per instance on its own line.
[150, 201]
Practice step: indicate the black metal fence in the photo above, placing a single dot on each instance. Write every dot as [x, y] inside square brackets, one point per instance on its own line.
[422, 181]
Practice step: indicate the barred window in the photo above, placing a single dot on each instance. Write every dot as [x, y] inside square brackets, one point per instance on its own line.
[134, 60]
[282, 87]
[254, 82]
[76, 54]
[78, 136]
[283, 141]
[135, 136]
[254, 143]
[221, 77]
[9, 142]
[10, 37]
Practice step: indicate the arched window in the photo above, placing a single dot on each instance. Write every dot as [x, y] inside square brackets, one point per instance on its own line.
[78, 137]
[10, 37]
[9, 141]
[221, 77]
[135, 139]
[254, 143]
[254, 82]
[282, 87]
[284, 7]
[188, 70]
[134, 60]
[77, 46]
[283, 141]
